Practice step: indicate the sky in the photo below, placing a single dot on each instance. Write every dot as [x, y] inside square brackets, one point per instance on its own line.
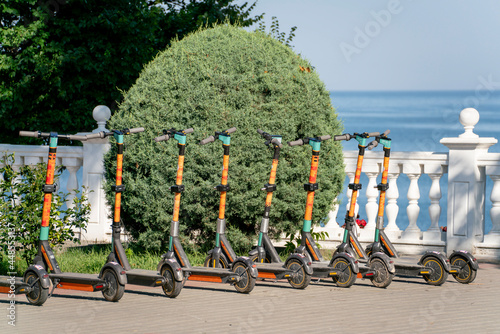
[394, 44]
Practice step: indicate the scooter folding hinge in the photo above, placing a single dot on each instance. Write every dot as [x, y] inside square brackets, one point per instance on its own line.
[178, 188]
[383, 186]
[310, 186]
[49, 188]
[355, 186]
[269, 187]
[118, 189]
[223, 187]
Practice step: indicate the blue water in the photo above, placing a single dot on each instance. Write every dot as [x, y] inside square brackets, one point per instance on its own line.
[418, 121]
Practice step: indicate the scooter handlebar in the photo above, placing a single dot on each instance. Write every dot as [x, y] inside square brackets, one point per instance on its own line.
[162, 138]
[345, 136]
[231, 130]
[190, 130]
[386, 132]
[297, 142]
[373, 134]
[136, 130]
[276, 142]
[34, 134]
[325, 137]
[372, 145]
[207, 140]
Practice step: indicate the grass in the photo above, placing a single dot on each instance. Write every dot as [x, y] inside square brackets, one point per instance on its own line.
[90, 259]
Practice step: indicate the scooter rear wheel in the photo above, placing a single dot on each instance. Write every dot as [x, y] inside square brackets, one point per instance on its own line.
[301, 278]
[114, 290]
[247, 282]
[209, 262]
[384, 277]
[38, 295]
[171, 288]
[466, 274]
[346, 276]
[438, 275]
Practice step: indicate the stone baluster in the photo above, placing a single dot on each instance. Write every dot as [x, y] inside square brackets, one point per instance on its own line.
[371, 206]
[435, 172]
[392, 209]
[72, 166]
[413, 171]
[493, 237]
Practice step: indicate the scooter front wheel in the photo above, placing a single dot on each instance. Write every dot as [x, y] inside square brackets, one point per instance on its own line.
[384, 277]
[171, 288]
[38, 295]
[345, 276]
[438, 275]
[246, 282]
[300, 278]
[114, 290]
[465, 274]
[255, 258]
[210, 262]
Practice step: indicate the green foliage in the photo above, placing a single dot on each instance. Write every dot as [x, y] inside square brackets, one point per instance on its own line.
[275, 31]
[212, 80]
[61, 58]
[296, 239]
[21, 201]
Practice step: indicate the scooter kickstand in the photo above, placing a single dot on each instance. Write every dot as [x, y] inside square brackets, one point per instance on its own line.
[54, 286]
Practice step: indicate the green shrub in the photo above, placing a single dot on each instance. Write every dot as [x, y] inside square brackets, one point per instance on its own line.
[21, 201]
[212, 80]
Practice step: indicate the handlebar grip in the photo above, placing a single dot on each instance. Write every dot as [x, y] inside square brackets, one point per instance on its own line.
[345, 136]
[34, 134]
[207, 140]
[373, 134]
[260, 132]
[190, 130]
[276, 142]
[136, 130]
[386, 132]
[77, 137]
[231, 130]
[101, 134]
[162, 138]
[372, 145]
[297, 142]
[325, 137]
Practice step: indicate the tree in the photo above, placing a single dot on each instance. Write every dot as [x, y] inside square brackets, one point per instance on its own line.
[61, 58]
[212, 80]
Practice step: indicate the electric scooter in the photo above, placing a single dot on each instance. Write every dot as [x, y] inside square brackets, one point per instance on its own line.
[175, 265]
[110, 281]
[343, 268]
[140, 277]
[433, 266]
[269, 264]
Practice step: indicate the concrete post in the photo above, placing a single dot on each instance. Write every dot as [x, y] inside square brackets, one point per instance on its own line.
[466, 185]
[99, 227]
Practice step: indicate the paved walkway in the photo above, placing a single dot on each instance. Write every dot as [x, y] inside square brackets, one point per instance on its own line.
[406, 306]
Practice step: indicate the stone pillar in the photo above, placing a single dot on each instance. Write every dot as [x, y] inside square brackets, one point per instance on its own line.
[466, 185]
[434, 232]
[99, 227]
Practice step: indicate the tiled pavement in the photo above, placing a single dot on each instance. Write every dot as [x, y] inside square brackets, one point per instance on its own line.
[406, 306]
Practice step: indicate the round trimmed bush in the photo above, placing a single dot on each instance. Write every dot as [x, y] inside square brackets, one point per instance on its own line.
[212, 80]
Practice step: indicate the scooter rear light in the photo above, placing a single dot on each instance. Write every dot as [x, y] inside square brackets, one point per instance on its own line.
[100, 286]
[369, 274]
[179, 269]
[254, 265]
[309, 263]
[123, 272]
[45, 275]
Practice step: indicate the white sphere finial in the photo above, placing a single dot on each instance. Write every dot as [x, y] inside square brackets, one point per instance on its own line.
[469, 118]
[101, 115]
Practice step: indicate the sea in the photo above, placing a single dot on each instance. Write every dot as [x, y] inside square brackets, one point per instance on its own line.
[418, 120]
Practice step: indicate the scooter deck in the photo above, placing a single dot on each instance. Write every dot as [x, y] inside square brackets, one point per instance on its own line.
[407, 266]
[272, 270]
[77, 281]
[144, 277]
[207, 271]
[19, 285]
[323, 270]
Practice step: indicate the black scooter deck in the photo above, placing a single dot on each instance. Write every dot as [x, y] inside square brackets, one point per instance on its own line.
[77, 281]
[207, 271]
[144, 277]
[19, 285]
